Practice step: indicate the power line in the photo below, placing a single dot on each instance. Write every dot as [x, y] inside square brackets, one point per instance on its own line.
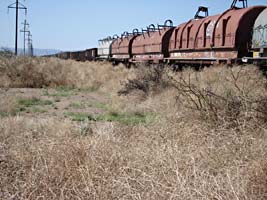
[18, 6]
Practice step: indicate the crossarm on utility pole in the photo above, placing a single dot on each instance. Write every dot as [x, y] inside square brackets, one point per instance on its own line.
[18, 6]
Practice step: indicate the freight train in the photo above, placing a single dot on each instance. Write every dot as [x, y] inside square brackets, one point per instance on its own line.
[234, 36]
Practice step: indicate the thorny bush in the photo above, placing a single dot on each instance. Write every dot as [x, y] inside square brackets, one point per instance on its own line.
[233, 96]
[148, 79]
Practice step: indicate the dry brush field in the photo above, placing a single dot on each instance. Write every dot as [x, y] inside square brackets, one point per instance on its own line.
[71, 130]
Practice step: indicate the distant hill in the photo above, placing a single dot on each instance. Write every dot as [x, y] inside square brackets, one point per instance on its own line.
[37, 52]
[42, 52]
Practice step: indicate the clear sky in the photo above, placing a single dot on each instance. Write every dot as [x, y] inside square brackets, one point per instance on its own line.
[78, 24]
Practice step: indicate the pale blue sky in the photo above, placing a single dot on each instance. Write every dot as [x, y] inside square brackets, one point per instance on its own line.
[78, 24]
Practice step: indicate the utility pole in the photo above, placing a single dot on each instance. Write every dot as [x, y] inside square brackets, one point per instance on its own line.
[31, 49]
[18, 6]
[29, 42]
[24, 31]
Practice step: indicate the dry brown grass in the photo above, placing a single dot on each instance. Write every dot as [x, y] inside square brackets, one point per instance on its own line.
[186, 154]
[51, 72]
[43, 158]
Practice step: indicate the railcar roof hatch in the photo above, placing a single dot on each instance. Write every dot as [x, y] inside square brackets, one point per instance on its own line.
[115, 37]
[244, 4]
[167, 24]
[136, 32]
[151, 28]
[202, 12]
[106, 39]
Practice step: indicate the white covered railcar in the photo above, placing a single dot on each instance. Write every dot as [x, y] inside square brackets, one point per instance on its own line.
[104, 48]
[259, 40]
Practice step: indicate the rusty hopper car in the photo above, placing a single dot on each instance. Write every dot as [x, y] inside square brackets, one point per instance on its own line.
[84, 55]
[152, 45]
[220, 38]
[121, 48]
[74, 55]
[91, 54]
[81, 56]
[64, 55]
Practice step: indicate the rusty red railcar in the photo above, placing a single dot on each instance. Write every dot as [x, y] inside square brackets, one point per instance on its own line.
[220, 38]
[64, 55]
[81, 56]
[74, 55]
[121, 48]
[91, 54]
[152, 45]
